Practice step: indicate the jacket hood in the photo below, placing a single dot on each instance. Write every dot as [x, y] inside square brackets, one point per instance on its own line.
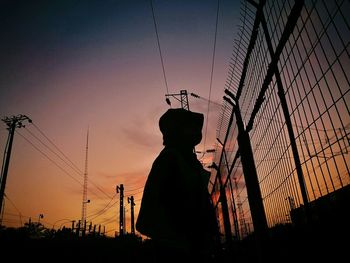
[181, 127]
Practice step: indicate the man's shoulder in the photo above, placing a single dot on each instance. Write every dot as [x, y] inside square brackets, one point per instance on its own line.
[167, 157]
[168, 153]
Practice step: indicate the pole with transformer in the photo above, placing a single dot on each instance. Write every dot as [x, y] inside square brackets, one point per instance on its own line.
[132, 204]
[12, 123]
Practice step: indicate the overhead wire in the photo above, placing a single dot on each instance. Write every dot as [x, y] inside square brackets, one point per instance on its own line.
[20, 215]
[105, 209]
[159, 48]
[71, 164]
[91, 216]
[135, 189]
[106, 221]
[212, 73]
[96, 213]
[13, 204]
[55, 153]
[80, 172]
[56, 164]
[58, 149]
[134, 194]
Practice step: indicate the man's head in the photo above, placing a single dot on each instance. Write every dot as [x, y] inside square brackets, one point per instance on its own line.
[181, 127]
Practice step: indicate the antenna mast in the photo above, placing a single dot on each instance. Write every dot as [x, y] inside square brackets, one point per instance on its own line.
[85, 201]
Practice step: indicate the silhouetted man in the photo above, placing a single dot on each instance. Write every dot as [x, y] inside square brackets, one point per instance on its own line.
[176, 210]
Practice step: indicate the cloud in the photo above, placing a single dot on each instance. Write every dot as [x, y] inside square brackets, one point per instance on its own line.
[139, 135]
[73, 189]
[132, 176]
[133, 181]
[143, 130]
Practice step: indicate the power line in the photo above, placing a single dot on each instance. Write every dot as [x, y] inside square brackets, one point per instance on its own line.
[205, 99]
[102, 210]
[67, 173]
[212, 72]
[99, 189]
[55, 153]
[58, 149]
[13, 204]
[159, 49]
[71, 164]
[138, 200]
[135, 189]
[139, 192]
[56, 164]
[107, 221]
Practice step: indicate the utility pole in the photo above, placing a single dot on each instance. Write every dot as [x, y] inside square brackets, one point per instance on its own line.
[120, 189]
[83, 231]
[78, 228]
[2, 212]
[90, 227]
[132, 204]
[124, 223]
[12, 123]
[183, 99]
[73, 222]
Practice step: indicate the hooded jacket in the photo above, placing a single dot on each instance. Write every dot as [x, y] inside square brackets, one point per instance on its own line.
[176, 207]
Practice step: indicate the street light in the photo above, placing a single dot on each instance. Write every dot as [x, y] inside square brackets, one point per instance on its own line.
[40, 216]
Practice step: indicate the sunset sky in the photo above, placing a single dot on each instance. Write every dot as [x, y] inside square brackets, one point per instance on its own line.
[70, 65]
